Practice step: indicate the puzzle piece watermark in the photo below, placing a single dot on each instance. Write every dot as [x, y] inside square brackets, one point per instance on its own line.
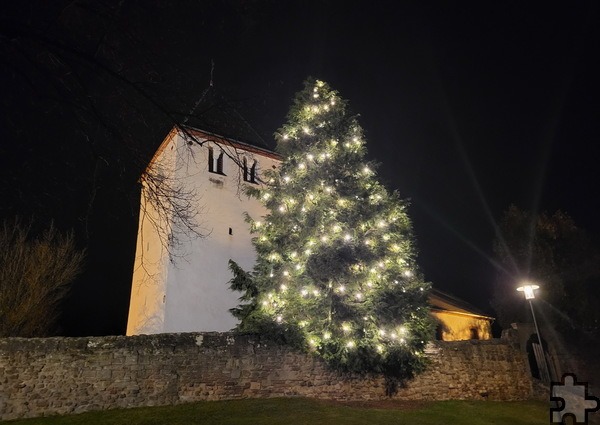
[572, 399]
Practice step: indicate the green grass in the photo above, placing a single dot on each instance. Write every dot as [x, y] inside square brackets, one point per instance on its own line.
[296, 411]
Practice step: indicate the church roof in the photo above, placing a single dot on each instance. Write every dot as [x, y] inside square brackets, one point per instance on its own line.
[217, 114]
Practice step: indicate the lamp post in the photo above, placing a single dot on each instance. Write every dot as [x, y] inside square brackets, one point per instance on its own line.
[528, 289]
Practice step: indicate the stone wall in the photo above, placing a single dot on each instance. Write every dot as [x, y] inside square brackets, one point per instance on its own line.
[71, 375]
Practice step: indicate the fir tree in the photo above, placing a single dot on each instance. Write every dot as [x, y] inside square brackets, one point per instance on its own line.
[336, 270]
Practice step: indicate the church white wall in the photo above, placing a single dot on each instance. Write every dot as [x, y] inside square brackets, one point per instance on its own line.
[148, 289]
[196, 290]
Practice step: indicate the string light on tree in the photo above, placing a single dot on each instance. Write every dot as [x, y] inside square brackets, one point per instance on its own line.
[329, 261]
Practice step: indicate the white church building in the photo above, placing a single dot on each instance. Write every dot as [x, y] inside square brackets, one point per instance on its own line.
[182, 285]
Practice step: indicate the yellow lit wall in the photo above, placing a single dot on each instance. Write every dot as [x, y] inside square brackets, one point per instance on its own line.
[456, 326]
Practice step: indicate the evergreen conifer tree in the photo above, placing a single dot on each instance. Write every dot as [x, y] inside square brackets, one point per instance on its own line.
[336, 271]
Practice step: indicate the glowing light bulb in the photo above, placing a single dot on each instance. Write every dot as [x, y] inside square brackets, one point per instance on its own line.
[381, 223]
[285, 137]
[279, 319]
[379, 348]
[407, 273]
[326, 335]
[336, 228]
[302, 166]
[297, 266]
[286, 273]
[382, 332]
[346, 327]
[283, 288]
[286, 179]
[359, 296]
[347, 237]
[304, 292]
[342, 289]
[324, 238]
[312, 342]
[281, 208]
[366, 170]
[306, 130]
[310, 157]
[350, 344]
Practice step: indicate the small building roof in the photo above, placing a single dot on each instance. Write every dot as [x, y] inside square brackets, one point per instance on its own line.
[443, 301]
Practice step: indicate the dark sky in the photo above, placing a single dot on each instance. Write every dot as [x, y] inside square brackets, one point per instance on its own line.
[468, 106]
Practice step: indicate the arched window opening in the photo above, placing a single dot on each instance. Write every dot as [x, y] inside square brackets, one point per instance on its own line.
[220, 163]
[253, 176]
[215, 166]
[211, 160]
[245, 169]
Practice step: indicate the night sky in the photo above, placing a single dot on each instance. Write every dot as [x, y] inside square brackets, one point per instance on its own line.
[468, 107]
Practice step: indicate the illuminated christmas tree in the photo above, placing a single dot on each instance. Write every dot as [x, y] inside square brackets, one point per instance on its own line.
[336, 270]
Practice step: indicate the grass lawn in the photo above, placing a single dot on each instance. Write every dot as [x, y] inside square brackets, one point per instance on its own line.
[296, 411]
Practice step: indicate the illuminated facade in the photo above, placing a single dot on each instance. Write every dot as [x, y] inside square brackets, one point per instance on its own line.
[458, 320]
[180, 282]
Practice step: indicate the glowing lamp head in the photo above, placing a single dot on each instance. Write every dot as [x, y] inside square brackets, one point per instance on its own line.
[528, 289]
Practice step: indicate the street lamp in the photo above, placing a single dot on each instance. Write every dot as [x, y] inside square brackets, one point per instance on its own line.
[528, 289]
